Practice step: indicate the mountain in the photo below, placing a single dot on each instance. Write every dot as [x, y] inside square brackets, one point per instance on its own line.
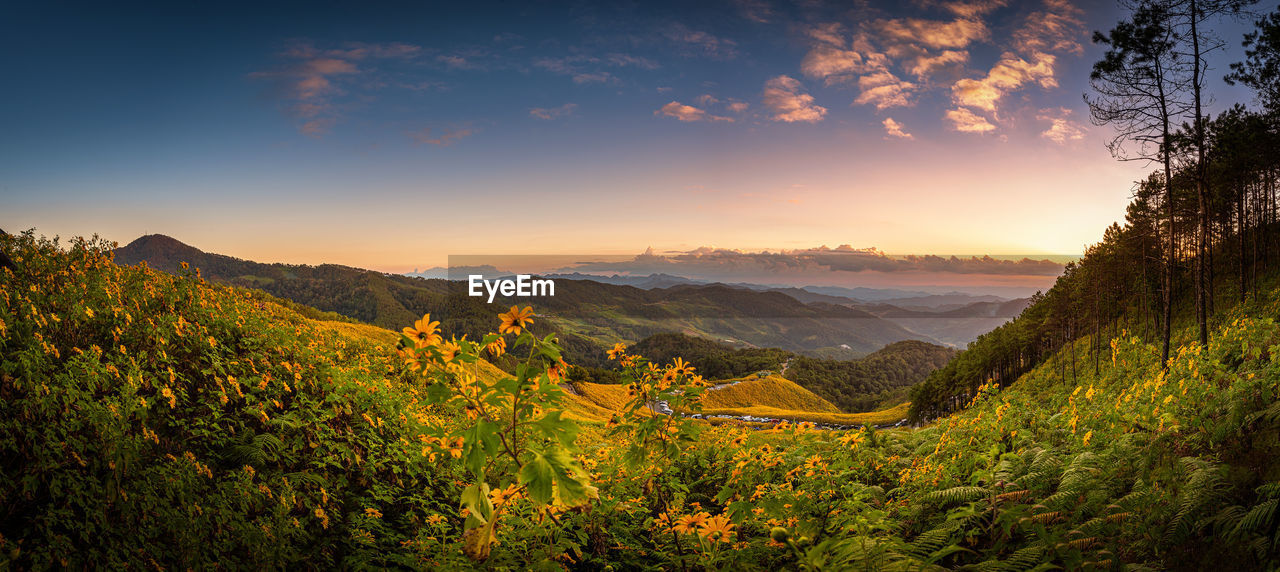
[457, 272]
[862, 384]
[589, 315]
[955, 327]
[939, 302]
[644, 282]
[866, 294]
[807, 297]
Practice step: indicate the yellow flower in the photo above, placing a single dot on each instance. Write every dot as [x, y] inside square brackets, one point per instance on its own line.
[689, 523]
[618, 350]
[557, 370]
[450, 350]
[717, 528]
[497, 348]
[515, 320]
[501, 497]
[681, 367]
[423, 332]
[662, 523]
[373, 513]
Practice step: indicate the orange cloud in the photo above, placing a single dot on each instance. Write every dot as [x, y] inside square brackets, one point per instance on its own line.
[310, 75]
[826, 61]
[1057, 29]
[957, 33]
[973, 9]
[689, 113]
[884, 90]
[967, 121]
[1010, 73]
[894, 129]
[782, 95]
[449, 137]
[925, 65]
[1061, 127]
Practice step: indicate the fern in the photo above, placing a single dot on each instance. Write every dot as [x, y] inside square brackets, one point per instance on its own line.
[956, 495]
[929, 542]
[1203, 487]
[254, 450]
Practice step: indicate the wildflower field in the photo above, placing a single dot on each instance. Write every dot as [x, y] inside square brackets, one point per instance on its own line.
[153, 421]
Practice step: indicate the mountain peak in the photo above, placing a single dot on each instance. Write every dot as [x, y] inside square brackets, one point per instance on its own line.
[159, 241]
[160, 251]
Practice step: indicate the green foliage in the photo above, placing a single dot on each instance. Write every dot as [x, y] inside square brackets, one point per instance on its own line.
[713, 359]
[864, 384]
[150, 420]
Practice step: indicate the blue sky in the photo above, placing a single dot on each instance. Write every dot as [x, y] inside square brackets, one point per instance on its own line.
[390, 135]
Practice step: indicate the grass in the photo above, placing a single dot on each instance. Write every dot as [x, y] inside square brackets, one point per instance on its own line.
[773, 391]
[883, 417]
[602, 395]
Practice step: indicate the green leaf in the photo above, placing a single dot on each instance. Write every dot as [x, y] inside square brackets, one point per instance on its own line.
[475, 499]
[553, 427]
[537, 476]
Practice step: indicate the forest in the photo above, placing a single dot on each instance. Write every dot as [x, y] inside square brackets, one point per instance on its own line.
[1200, 233]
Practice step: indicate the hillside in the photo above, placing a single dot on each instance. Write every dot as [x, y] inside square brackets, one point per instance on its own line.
[211, 426]
[863, 384]
[852, 385]
[589, 315]
[714, 360]
[770, 391]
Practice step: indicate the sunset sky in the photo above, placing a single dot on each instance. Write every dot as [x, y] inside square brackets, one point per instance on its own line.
[392, 135]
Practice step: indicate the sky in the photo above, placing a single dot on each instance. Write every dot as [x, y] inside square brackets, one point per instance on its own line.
[391, 135]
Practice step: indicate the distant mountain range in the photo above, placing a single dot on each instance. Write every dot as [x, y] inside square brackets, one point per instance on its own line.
[589, 315]
[953, 319]
[831, 294]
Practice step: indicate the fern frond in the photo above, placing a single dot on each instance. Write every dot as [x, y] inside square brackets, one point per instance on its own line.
[955, 495]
